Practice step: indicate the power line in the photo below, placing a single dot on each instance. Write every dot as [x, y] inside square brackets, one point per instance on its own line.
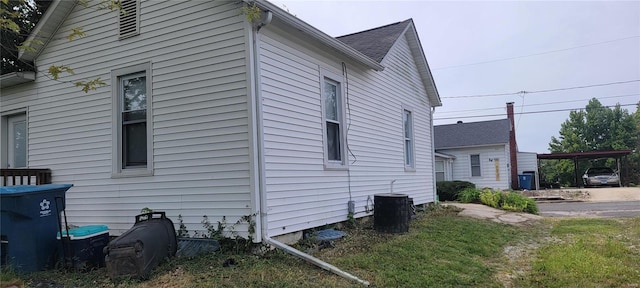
[531, 55]
[530, 112]
[538, 104]
[541, 91]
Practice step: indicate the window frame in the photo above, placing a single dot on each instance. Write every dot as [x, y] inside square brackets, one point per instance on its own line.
[5, 147]
[118, 169]
[409, 156]
[338, 80]
[471, 165]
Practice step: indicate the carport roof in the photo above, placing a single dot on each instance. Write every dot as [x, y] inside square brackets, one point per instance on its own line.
[586, 155]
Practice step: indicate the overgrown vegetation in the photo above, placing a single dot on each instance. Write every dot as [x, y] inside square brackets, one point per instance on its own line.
[505, 200]
[441, 249]
[449, 190]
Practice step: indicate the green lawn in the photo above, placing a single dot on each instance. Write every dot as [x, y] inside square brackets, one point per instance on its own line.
[441, 250]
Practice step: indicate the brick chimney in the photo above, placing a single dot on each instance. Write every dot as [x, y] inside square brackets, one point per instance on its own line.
[513, 148]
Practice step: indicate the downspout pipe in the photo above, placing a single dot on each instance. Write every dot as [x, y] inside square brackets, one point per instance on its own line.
[266, 19]
[433, 158]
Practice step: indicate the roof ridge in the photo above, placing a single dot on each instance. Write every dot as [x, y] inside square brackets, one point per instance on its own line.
[375, 28]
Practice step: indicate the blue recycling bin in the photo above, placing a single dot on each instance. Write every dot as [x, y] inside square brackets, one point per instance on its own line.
[30, 219]
[525, 181]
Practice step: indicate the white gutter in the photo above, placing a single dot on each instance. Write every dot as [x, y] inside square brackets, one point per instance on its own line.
[264, 230]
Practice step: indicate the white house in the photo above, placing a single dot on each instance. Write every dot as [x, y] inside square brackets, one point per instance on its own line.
[206, 113]
[484, 153]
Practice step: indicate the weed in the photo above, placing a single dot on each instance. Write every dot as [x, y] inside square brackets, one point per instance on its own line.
[469, 195]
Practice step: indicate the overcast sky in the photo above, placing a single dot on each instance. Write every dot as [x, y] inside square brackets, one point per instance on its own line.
[479, 48]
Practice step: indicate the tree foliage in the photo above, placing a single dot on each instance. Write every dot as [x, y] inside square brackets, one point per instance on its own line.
[596, 128]
[17, 19]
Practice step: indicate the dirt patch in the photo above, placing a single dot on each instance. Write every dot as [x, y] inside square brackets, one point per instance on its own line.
[600, 194]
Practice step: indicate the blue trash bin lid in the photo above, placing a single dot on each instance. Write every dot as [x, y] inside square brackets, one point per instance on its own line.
[20, 190]
[84, 231]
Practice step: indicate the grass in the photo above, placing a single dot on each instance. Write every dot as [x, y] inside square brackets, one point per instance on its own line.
[440, 250]
[589, 253]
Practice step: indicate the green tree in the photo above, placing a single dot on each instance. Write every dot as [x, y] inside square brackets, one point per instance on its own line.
[596, 128]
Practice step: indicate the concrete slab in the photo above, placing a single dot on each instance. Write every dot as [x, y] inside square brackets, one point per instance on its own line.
[480, 211]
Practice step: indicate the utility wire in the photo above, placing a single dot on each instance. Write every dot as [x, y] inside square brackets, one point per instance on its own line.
[530, 112]
[531, 55]
[538, 104]
[542, 91]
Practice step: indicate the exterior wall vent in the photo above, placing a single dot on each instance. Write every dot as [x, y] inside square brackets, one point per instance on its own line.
[129, 24]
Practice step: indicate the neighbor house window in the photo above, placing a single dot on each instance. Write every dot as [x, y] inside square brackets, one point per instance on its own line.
[14, 143]
[475, 166]
[333, 121]
[132, 125]
[129, 16]
[440, 171]
[409, 155]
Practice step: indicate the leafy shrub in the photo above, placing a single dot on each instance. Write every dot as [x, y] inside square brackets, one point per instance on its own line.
[469, 195]
[449, 190]
[491, 198]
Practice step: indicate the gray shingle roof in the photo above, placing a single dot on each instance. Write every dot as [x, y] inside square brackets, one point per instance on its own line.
[375, 42]
[471, 134]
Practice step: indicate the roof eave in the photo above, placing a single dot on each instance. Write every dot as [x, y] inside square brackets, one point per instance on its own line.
[46, 28]
[472, 146]
[315, 33]
[16, 78]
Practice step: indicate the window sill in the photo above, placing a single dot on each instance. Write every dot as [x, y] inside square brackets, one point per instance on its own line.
[335, 167]
[409, 169]
[126, 173]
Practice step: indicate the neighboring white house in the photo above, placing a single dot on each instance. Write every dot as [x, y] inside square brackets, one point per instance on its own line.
[478, 152]
[483, 153]
[205, 113]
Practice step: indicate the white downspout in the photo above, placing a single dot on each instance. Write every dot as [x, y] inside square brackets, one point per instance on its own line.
[261, 163]
[433, 158]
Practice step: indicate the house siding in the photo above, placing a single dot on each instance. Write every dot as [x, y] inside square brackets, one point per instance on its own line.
[200, 115]
[301, 193]
[488, 156]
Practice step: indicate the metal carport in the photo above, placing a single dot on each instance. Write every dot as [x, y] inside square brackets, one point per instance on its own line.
[575, 156]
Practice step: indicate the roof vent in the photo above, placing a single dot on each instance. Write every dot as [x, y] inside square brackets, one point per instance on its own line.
[459, 122]
[129, 18]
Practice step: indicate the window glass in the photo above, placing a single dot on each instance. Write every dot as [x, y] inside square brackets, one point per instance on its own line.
[330, 101]
[475, 165]
[333, 141]
[134, 120]
[408, 138]
[19, 144]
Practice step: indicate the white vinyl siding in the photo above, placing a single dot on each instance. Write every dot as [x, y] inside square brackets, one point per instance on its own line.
[201, 163]
[301, 193]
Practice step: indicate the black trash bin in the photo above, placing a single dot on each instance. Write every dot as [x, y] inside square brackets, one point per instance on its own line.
[140, 249]
[29, 223]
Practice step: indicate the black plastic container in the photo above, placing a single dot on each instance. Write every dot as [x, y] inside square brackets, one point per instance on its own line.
[140, 249]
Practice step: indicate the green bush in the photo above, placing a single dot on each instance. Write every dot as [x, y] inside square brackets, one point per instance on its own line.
[449, 190]
[469, 195]
[491, 198]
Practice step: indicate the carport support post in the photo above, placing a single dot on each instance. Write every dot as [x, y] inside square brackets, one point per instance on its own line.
[575, 171]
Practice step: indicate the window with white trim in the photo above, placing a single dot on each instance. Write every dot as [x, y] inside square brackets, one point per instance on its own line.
[14, 140]
[475, 165]
[409, 155]
[129, 19]
[133, 141]
[333, 121]
[440, 176]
